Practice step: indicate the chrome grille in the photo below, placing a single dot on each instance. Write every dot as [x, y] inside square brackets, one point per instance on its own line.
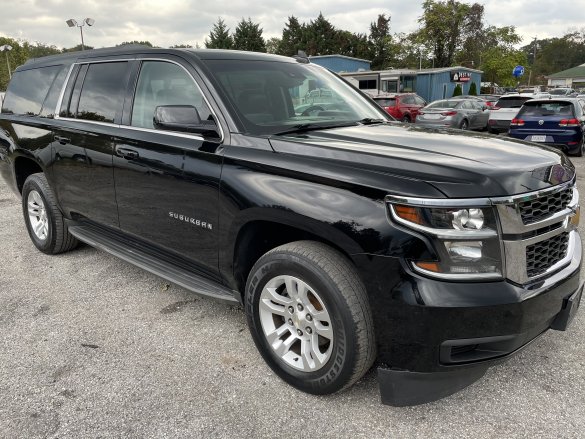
[543, 255]
[537, 209]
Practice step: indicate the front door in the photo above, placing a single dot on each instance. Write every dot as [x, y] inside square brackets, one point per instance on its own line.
[167, 183]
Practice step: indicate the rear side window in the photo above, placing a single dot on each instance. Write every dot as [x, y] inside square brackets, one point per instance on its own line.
[386, 102]
[102, 94]
[548, 108]
[515, 102]
[28, 89]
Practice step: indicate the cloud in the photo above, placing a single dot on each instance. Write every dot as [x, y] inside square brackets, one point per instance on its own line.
[188, 21]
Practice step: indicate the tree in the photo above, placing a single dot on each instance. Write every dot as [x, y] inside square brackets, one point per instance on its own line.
[320, 37]
[248, 36]
[273, 44]
[219, 36]
[381, 42]
[293, 37]
[473, 89]
[457, 91]
[77, 48]
[446, 25]
[141, 43]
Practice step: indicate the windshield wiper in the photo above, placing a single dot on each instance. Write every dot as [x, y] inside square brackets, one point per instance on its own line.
[305, 127]
[370, 121]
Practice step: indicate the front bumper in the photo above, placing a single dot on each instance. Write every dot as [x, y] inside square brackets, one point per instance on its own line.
[435, 338]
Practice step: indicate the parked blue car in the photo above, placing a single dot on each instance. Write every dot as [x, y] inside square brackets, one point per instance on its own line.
[558, 122]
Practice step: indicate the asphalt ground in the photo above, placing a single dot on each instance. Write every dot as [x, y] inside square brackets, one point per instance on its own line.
[91, 346]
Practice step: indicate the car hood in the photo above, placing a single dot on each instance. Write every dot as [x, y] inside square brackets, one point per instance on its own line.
[458, 164]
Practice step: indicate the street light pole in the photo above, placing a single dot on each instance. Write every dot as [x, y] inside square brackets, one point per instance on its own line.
[6, 48]
[72, 23]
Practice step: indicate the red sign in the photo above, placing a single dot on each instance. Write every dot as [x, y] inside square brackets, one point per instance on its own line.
[460, 76]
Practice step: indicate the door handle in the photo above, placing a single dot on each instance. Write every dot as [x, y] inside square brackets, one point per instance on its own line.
[127, 153]
[62, 140]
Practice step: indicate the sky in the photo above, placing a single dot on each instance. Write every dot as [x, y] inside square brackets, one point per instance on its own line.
[169, 22]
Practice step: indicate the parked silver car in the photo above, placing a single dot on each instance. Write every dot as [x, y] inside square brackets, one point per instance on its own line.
[465, 114]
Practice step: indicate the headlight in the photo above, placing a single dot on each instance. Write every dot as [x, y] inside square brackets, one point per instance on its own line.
[465, 240]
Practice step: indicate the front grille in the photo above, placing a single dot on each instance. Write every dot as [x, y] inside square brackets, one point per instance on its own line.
[543, 255]
[540, 208]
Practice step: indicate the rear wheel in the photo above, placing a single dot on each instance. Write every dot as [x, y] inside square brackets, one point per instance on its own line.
[405, 119]
[309, 316]
[44, 221]
[581, 151]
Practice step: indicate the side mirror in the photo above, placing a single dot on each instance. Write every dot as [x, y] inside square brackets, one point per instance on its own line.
[183, 118]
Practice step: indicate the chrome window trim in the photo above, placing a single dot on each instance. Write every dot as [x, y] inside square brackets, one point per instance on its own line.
[148, 130]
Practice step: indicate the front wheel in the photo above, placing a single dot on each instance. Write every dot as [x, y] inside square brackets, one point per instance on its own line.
[464, 125]
[309, 316]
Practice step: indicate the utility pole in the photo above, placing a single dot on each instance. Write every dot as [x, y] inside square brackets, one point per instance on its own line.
[533, 61]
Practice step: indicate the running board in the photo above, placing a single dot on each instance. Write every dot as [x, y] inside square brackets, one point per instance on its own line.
[160, 267]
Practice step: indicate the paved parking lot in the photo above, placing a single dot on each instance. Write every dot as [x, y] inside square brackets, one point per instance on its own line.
[91, 346]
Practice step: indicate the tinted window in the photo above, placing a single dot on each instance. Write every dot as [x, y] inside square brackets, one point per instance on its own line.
[547, 108]
[368, 84]
[452, 103]
[419, 100]
[386, 102]
[407, 100]
[28, 89]
[163, 83]
[512, 102]
[103, 92]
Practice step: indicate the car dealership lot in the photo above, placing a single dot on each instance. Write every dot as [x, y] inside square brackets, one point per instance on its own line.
[91, 346]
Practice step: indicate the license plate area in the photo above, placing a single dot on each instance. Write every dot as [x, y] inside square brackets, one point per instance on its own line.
[538, 138]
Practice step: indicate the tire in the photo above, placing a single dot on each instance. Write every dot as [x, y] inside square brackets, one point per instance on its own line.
[464, 125]
[492, 131]
[405, 119]
[340, 344]
[44, 221]
[581, 150]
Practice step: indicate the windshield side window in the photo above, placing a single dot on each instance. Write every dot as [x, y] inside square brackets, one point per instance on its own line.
[102, 93]
[273, 97]
[163, 83]
[28, 89]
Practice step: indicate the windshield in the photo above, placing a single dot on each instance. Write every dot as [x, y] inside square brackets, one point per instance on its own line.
[513, 102]
[451, 103]
[559, 92]
[272, 97]
[548, 108]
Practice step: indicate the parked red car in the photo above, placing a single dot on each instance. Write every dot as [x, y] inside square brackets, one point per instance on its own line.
[401, 106]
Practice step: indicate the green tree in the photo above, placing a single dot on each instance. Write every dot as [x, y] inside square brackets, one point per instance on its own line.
[273, 44]
[473, 89]
[141, 43]
[381, 42]
[293, 37]
[219, 37]
[320, 37]
[77, 48]
[457, 91]
[248, 36]
[445, 26]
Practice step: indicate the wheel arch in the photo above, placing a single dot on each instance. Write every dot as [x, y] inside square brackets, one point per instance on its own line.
[24, 166]
[259, 233]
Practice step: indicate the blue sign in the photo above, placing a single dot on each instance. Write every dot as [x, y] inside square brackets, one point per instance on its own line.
[518, 71]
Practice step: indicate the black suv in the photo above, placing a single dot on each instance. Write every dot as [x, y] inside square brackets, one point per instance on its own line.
[347, 237]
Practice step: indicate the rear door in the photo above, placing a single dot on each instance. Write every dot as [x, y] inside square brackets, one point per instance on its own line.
[90, 111]
[167, 183]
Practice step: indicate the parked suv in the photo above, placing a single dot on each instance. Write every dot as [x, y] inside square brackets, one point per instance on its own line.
[348, 239]
[504, 111]
[401, 106]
